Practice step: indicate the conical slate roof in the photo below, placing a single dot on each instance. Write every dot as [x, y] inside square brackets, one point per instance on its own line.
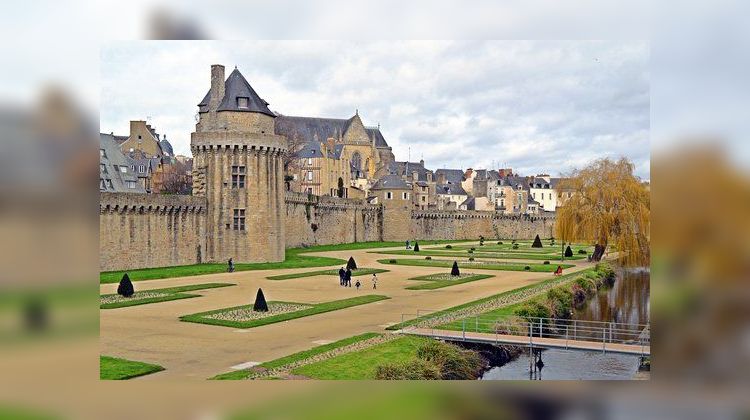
[236, 86]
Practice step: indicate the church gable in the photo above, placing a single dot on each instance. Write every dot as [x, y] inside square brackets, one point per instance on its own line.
[355, 132]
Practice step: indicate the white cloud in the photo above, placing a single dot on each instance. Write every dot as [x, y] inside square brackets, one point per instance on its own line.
[536, 106]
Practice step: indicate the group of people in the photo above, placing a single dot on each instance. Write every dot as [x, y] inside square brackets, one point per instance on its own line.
[345, 279]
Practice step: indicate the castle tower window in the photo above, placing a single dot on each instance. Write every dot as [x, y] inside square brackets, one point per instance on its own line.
[238, 222]
[238, 176]
[242, 103]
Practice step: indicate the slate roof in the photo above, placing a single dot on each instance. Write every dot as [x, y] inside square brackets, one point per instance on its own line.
[166, 146]
[450, 189]
[390, 182]
[454, 176]
[377, 136]
[470, 203]
[400, 168]
[237, 86]
[114, 162]
[315, 130]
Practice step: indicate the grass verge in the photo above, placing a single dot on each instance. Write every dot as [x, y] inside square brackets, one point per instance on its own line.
[113, 368]
[362, 364]
[477, 254]
[494, 265]
[512, 296]
[173, 293]
[430, 284]
[318, 308]
[302, 355]
[333, 272]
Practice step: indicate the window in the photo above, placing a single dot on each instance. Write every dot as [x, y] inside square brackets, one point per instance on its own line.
[141, 169]
[309, 175]
[123, 169]
[424, 199]
[102, 153]
[533, 195]
[389, 195]
[405, 195]
[130, 184]
[309, 161]
[550, 196]
[102, 185]
[238, 176]
[109, 184]
[132, 168]
[238, 222]
[103, 168]
[242, 102]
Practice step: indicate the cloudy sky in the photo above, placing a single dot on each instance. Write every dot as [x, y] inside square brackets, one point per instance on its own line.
[533, 106]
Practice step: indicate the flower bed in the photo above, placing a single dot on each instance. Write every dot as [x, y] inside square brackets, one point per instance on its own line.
[109, 299]
[248, 314]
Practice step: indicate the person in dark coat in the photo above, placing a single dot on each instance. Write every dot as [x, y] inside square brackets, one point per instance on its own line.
[231, 266]
[342, 275]
[349, 277]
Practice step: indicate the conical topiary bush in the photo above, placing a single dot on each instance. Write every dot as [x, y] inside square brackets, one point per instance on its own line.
[416, 247]
[537, 242]
[454, 270]
[260, 304]
[351, 264]
[568, 252]
[126, 287]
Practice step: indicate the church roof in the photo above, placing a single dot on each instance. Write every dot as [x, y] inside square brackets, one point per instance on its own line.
[317, 130]
[236, 86]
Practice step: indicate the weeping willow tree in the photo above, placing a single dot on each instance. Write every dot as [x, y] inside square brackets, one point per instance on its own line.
[608, 206]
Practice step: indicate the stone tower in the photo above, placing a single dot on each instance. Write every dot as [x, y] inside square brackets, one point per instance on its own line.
[238, 168]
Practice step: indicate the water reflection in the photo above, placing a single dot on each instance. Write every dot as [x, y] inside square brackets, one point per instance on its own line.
[626, 302]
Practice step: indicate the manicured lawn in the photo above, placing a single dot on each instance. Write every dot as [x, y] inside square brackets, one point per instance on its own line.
[362, 364]
[316, 308]
[305, 354]
[477, 254]
[333, 272]
[512, 297]
[431, 282]
[294, 258]
[493, 265]
[112, 368]
[169, 293]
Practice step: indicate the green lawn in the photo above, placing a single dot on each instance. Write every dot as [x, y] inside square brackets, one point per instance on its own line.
[362, 364]
[494, 265]
[333, 272]
[112, 368]
[173, 293]
[478, 254]
[511, 296]
[317, 308]
[294, 258]
[305, 354]
[431, 283]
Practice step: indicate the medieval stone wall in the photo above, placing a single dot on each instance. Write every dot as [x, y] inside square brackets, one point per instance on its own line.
[313, 220]
[150, 230]
[472, 224]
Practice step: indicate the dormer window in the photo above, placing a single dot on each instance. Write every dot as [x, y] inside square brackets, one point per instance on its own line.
[242, 102]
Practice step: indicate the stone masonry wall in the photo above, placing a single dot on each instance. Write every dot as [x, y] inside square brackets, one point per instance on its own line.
[313, 220]
[472, 224]
[149, 230]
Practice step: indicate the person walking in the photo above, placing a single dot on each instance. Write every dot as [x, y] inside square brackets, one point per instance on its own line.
[407, 244]
[231, 266]
[357, 284]
[374, 281]
[342, 275]
[348, 277]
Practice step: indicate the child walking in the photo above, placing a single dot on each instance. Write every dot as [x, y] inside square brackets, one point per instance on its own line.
[357, 284]
[374, 281]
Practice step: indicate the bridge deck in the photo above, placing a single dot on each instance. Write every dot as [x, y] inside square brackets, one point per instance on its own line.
[521, 340]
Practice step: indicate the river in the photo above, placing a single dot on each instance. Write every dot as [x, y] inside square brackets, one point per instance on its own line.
[626, 302]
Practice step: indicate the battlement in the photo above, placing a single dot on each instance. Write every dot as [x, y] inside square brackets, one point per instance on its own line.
[127, 202]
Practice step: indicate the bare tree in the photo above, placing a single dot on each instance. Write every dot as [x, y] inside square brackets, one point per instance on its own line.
[175, 179]
[291, 158]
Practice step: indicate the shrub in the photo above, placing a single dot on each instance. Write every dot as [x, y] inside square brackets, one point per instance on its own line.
[584, 283]
[527, 268]
[471, 251]
[449, 247]
[260, 304]
[351, 264]
[605, 273]
[392, 261]
[582, 251]
[454, 363]
[416, 247]
[579, 295]
[428, 257]
[126, 286]
[546, 263]
[537, 242]
[513, 241]
[568, 252]
[499, 242]
[471, 258]
[533, 309]
[454, 270]
[416, 369]
[515, 246]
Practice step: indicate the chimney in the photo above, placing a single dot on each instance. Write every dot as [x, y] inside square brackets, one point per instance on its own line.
[217, 87]
[414, 176]
[429, 176]
[421, 162]
[441, 178]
